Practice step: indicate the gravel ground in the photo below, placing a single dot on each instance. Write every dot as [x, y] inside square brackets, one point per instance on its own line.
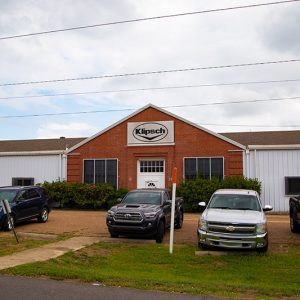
[92, 223]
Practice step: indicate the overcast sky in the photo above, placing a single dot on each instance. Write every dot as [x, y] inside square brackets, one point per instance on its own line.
[251, 35]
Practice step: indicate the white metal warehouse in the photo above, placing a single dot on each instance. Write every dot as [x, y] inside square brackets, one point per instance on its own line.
[273, 157]
[28, 162]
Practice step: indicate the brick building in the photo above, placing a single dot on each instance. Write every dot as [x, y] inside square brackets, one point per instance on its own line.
[142, 149]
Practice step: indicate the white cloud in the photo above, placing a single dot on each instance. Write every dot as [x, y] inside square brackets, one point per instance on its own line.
[73, 129]
[240, 36]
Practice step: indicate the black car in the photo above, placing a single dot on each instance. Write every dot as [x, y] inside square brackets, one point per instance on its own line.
[26, 202]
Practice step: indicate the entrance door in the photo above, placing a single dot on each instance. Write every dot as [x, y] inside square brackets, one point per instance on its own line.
[151, 173]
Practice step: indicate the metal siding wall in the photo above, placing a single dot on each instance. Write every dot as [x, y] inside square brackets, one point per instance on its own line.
[272, 167]
[41, 168]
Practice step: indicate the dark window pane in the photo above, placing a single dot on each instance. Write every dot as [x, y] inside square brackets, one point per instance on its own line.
[28, 181]
[190, 171]
[89, 171]
[217, 167]
[22, 181]
[292, 185]
[111, 172]
[100, 171]
[204, 167]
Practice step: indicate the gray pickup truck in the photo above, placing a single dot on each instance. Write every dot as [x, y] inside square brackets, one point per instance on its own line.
[234, 219]
[145, 213]
[295, 214]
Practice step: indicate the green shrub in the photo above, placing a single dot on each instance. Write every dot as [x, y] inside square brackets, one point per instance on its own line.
[82, 195]
[200, 189]
[120, 193]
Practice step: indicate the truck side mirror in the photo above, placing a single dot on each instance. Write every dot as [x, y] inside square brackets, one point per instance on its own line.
[267, 207]
[202, 206]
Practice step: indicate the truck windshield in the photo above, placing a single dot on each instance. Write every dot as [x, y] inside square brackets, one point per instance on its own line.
[239, 202]
[8, 195]
[142, 198]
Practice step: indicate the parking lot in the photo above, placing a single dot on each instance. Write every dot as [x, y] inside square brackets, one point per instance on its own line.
[92, 223]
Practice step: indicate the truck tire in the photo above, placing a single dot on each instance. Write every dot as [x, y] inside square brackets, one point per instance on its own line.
[203, 246]
[263, 249]
[179, 220]
[160, 232]
[294, 225]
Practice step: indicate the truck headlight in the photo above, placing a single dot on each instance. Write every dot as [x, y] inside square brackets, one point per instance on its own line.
[203, 225]
[261, 228]
[151, 214]
[110, 213]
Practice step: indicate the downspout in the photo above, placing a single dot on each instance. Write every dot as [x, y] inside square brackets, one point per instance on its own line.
[255, 167]
[60, 167]
[66, 163]
[247, 163]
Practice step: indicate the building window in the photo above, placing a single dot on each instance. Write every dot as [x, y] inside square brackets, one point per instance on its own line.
[101, 171]
[22, 181]
[205, 167]
[151, 166]
[292, 185]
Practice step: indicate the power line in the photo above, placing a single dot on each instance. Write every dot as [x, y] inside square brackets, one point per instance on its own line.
[233, 102]
[153, 88]
[147, 19]
[170, 106]
[249, 125]
[153, 72]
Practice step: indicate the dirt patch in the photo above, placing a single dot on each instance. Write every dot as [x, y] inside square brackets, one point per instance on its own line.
[92, 223]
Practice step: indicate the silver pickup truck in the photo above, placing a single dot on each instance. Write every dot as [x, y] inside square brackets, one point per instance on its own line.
[233, 219]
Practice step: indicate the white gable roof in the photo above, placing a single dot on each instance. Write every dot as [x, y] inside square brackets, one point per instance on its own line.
[219, 136]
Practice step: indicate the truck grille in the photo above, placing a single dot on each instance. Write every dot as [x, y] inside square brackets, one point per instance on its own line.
[128, 217]
[230, 228]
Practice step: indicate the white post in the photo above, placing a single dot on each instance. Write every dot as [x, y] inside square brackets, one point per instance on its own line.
[173, 210]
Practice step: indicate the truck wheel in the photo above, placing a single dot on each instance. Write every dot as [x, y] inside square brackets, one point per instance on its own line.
[294, 225]
[114, 235]
[179, 220]
[203, 246]
[160, 232]
[263, 249]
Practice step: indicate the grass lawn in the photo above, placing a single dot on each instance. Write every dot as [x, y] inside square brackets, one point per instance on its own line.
[237, 275]
[9, 245]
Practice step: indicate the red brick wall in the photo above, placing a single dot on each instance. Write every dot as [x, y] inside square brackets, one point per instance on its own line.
[189, 142]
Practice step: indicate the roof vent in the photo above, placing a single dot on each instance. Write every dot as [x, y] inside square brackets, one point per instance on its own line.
[62, 137]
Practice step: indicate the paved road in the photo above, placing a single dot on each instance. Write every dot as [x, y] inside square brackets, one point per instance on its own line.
[21, 288]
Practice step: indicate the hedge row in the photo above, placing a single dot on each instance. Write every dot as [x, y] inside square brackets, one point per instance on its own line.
[103, 196]
[82, 195]
[195, 191]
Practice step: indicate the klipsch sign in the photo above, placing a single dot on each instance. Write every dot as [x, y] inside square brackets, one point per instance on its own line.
[159, 132]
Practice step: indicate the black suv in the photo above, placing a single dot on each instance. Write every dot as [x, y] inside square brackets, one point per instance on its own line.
[26, 202]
